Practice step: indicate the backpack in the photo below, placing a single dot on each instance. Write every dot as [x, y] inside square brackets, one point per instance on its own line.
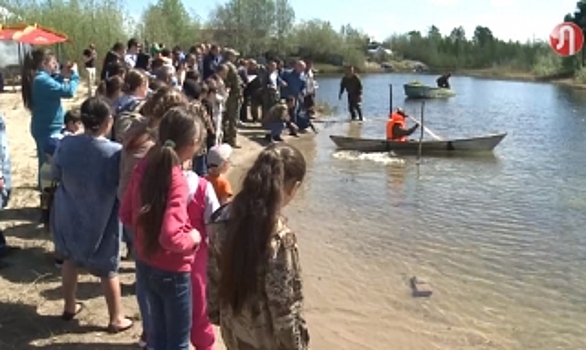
[124, 117]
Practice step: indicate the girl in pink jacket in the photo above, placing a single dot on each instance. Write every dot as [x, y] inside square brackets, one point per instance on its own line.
[155, 207]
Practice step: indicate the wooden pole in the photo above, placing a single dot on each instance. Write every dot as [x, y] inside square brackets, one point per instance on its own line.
[422, 128]
[390, 98]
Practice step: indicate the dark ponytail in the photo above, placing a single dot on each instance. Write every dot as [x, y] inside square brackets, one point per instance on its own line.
[94, 111]
[254, 214]
[33, 61]
[177, 130]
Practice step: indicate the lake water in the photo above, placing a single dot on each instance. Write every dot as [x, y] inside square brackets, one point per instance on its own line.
[501, 239]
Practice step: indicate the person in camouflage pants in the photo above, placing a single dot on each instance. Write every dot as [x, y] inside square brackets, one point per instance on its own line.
[271, 83]
[234, 100]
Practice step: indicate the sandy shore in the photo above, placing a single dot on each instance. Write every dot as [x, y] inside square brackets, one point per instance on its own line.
[339, 315]
[30, 302]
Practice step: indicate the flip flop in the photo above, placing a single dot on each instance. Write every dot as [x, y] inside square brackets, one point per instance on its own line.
[68, 316]
[112, 329]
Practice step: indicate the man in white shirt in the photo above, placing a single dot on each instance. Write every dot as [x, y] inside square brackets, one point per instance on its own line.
[131, 53]
[310, 87]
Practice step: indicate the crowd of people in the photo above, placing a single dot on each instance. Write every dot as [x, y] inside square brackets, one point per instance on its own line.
[246, 89]
[143, 161]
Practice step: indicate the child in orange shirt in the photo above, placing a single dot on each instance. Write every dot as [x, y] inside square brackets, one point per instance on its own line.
[218, 164]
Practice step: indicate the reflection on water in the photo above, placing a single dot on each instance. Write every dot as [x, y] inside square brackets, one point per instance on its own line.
[500, 238]
[355, 130]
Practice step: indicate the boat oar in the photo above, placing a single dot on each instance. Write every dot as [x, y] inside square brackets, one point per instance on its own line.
[431, 133]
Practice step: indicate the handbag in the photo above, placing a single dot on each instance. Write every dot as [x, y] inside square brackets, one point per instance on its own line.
[47, 198]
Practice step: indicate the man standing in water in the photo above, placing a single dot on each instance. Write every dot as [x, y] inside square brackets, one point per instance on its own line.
[352, 84]
[443, 81]
[234, 100]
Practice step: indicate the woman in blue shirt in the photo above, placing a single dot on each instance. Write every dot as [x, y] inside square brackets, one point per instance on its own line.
[42, 92]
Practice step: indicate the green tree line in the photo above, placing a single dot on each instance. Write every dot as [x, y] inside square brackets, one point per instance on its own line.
[258, 27]
[455, 50]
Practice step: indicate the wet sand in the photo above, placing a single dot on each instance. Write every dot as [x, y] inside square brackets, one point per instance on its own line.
[345, 309]
[31, 299]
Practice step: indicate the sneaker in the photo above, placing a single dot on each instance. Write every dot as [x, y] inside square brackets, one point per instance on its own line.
[142, 341]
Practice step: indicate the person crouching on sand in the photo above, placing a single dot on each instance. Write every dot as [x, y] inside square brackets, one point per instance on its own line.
[155, 208]
[218, 165]
[84, 224]
[275, 122]
[255, 289]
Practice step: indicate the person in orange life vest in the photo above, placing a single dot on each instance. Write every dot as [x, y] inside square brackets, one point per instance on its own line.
[397, 126]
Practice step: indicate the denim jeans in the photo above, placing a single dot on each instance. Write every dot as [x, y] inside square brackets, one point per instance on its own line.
[3, 245]
[4, 198]
[141, 298]
[127, 238]
[169, 298]
[299, 107]
[275, 129]
[5, 168]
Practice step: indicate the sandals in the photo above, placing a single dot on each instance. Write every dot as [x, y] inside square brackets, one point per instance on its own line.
[68, 316]
[113, 329]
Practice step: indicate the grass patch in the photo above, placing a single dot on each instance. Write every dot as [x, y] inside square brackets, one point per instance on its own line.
[580, 76]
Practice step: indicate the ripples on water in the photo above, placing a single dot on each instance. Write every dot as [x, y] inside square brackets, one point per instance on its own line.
[501, 239]
[379, 157]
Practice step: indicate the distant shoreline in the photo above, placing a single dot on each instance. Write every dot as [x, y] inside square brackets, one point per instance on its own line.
[497, 74]
[494, 74]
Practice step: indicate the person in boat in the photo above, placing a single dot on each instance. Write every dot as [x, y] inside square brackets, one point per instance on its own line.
[397, 126]
[443, 81]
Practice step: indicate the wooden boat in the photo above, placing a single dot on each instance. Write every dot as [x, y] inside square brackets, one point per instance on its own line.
[418, 90]
[469, 145]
